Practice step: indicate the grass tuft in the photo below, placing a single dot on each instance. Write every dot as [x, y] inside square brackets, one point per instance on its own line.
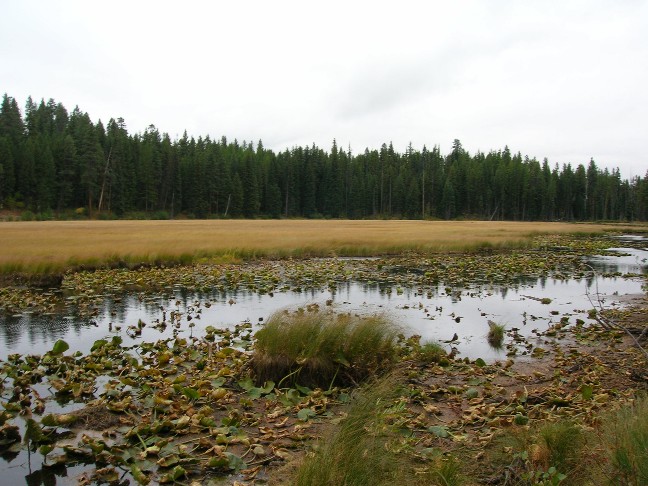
[323, 349]
[357, 452]
[496, 334]
[552, 452]
[560, 446]
[443, 471]
[431, 352]
[625, 437]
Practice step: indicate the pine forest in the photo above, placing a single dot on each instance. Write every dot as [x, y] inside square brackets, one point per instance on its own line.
[57, 164]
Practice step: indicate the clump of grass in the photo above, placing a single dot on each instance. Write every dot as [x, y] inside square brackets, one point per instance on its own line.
[625, 438]
[496, 334]
[551, 452]
[318, 349]
[560, 446]
[444, 471]
[357, 452]
[431, 352]
[450, 473]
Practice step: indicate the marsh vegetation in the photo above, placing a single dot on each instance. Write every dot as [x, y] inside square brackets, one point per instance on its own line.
[496, 334]
[323, 350]
[325, 393]
[56, 246]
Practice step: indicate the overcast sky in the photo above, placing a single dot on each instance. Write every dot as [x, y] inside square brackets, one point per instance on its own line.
[566, 80]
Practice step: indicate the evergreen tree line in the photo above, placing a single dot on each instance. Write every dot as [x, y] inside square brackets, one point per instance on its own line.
[52, 161]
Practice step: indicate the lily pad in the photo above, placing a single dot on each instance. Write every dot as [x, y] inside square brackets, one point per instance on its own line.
[439, 430]
[305, 414]
[60, 347]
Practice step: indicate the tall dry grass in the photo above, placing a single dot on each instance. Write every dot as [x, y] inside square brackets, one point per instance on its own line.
[41, 247]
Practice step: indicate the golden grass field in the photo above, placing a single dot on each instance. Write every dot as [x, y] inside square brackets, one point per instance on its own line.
[53, 245]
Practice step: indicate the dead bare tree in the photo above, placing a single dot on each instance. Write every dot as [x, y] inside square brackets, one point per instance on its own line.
[103, 183]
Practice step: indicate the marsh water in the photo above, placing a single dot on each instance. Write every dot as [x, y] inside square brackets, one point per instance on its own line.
[435, 313]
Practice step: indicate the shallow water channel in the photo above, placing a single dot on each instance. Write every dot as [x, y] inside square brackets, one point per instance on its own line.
[436, 313]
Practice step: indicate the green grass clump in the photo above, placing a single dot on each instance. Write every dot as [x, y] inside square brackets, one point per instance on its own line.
[318, 349]
[444, 470]
[356, 452]
[549, 453]
[431, 352]
[615, 453]
[625, 437]
[496, 334]
[560, 446]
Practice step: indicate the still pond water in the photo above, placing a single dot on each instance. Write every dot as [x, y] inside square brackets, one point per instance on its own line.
[435, 313]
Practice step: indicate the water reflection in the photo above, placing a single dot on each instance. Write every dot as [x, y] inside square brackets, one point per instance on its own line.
[629, 260]
[436, 313]
[19, 470]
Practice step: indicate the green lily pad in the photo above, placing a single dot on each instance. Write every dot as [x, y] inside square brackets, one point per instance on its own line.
[60, 347]
[190, 393]
[305, 414]
[439, 431]
[177, 473]
[247, 384]
[138, 475]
